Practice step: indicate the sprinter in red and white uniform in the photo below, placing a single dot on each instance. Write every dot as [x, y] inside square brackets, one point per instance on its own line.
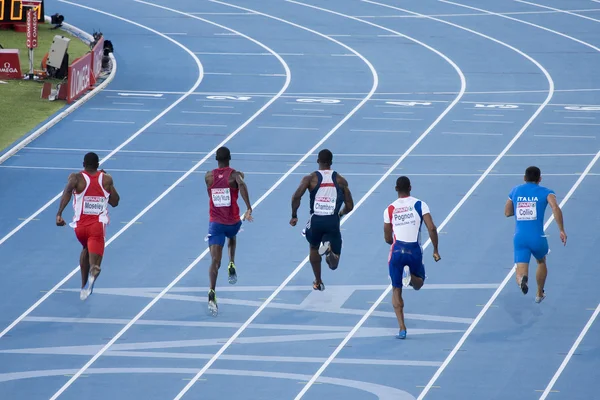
[224, 185]
[402, 221]
[328, 192]
[93, 190]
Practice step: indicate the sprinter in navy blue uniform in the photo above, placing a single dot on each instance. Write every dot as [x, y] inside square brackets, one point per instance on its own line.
[328, 192]
[527, 203]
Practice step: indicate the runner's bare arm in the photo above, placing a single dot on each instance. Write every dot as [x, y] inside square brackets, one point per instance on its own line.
[433, 235]
[208, 178]
[558, 217]
[297, 197]
[348, 201]
[239, 179]
[508, 208]
[114, 197]
[388, 233]
[66, 197]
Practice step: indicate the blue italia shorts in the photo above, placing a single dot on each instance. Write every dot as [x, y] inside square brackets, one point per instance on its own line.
[527, 246]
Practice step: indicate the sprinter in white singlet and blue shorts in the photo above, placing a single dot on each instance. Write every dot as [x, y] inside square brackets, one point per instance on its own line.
[328, 192]
[402, 221]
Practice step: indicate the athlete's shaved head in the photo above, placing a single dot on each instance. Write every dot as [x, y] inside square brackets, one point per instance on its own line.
[91, 161]
[325, 157]
[403, 185]
[223, 154]
[533, 175]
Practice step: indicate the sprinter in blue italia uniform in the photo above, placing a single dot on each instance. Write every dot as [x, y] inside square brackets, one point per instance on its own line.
[328, 192]
[527, 203]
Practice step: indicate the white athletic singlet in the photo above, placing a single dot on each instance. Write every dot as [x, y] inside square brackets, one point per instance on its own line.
[406, 216]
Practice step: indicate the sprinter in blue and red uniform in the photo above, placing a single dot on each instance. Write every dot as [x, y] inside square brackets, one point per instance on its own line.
[224, 184]
[527, 203]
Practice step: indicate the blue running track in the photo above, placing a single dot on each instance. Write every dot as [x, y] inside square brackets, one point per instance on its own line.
[461, 96]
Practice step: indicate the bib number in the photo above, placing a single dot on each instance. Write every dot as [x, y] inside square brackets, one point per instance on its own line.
[526, 211]
[324, 205]
[94, 205]
[221, 197]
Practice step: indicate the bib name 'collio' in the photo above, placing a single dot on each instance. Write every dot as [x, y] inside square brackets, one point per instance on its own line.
[526, 210]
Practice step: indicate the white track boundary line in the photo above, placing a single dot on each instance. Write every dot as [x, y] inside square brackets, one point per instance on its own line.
[358, 204]
[460, 203]
[268, 192]
[189, 172]
[136, 134]
[63, 114]
[570, 353]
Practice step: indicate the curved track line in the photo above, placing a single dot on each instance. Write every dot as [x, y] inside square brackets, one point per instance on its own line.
[189, 172]
[360, 202]
[454, 210]
[532, 24]
[204, 253]
[132, 137]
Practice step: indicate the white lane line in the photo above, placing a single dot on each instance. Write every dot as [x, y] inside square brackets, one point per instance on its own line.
[174, 185]
[580, 117]
[508, 277]
[378, 131]
[127, 104]
[126, 142]
[211, 112]
[118, 109]
[473, 14]
[460, 203]
[481, 121]
[293, 128]
[205, 125]
[571, 123]
[301, 116]
[563, 365]
[360, 202]
[90, 121]
[568, 136]
[336, 154]
[260, 200]
[394, 119]
[472, 133]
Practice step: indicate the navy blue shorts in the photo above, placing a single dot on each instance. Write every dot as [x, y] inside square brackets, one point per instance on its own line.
[321, 229]
[402, 254]
[527, 246]
[218, 232]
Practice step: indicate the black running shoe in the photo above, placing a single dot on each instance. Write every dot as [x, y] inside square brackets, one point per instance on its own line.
[524, 287]
[212, 303]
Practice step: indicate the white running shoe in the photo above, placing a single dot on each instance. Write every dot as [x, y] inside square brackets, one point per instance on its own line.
[406, 276]
[325, 248]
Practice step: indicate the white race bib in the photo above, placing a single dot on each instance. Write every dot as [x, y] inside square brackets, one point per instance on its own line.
[526, 211]
[324, 205]
[221, 197]
[94, 205]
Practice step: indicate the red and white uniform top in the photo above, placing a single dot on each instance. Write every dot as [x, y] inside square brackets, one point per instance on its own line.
[223, 198]
[406, 216]
[91, 205]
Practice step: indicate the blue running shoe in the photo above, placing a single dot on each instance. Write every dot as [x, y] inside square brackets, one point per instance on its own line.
[401, 335]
